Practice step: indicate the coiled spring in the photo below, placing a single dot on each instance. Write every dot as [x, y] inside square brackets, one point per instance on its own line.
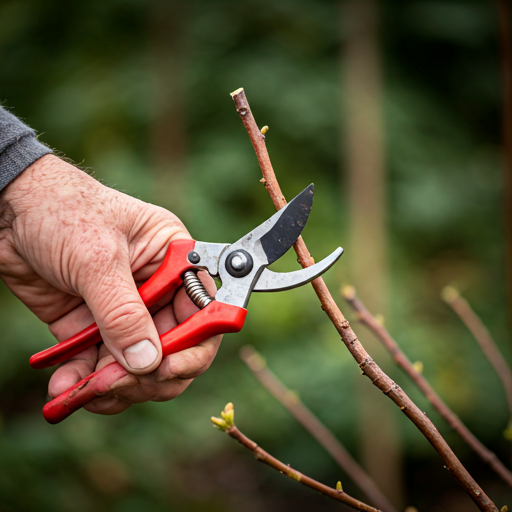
[196, 290]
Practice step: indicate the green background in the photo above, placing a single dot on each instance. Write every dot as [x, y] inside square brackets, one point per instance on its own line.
[97, 78]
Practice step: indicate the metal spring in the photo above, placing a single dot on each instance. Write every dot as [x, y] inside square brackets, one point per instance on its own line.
[196, 290]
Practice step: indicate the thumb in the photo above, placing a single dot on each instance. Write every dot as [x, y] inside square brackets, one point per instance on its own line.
[125, 324]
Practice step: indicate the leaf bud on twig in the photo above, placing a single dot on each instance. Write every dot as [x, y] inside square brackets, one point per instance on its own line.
[227, 420]
[417, 366]
[219, 423]
[228, 414]
[348, 292]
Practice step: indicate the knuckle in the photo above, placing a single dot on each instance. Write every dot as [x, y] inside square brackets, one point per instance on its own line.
[125, 318]
[203, 359]
[164, 397]
[166, 215]
[57, 331]
[171, 391]
[101, 254]
[107, 405]
[192, 363]
[170, 223]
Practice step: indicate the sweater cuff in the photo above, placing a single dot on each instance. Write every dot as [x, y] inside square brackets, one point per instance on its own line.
[18, 156]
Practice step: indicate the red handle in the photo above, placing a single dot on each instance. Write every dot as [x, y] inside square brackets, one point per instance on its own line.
[216, 318]
[164, 280]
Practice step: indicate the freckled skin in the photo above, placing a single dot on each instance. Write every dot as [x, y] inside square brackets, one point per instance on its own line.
[72, 249]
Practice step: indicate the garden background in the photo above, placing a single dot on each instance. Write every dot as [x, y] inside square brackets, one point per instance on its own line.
[138, 92]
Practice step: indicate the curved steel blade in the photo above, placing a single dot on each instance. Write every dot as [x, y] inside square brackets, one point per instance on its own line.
[280, 232]
[279, 281]
[289, 225]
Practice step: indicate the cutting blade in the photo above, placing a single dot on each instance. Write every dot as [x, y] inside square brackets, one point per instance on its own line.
[277, 234]
[279, 281]
[289, 225]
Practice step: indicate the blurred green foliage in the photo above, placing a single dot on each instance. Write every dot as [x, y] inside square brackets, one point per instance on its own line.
[83, 73]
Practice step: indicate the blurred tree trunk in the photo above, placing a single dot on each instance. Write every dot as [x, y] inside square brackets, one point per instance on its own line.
[367, 251]
[168, 137]
[506, 71]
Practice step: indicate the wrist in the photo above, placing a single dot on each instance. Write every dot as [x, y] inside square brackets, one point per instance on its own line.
[24, 183]
[38, 187]
[19, 190]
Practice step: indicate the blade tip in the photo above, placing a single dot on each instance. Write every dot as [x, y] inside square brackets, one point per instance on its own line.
[338, 253]
[308, 192]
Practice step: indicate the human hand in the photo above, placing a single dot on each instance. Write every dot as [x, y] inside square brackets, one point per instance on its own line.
[64, 239]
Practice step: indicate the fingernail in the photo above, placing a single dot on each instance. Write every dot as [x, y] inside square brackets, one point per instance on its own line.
[140, 355]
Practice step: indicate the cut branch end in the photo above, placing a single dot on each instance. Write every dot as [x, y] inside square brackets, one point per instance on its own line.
[238, 91]
[449, 294]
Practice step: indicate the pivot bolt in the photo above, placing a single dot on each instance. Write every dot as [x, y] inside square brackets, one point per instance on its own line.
[239, 263]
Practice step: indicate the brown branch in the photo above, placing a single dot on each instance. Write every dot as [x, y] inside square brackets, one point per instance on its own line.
[382, 334]
[226, 424]
[315, 427]
[368, 366]
[475, 325]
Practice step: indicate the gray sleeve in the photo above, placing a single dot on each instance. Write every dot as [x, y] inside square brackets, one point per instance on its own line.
[19, 147]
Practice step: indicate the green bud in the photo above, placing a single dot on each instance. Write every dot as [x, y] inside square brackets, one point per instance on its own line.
[418, 366]
[228, 414]
[220, 424]
[449, 294]
[292, 397]
[339, 487]
[348, 292]
[380, 319]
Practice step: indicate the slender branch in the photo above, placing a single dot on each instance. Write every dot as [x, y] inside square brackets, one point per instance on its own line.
[475, 325]
[315, 427]
[399, 357]
[226, 424]
[368, 366]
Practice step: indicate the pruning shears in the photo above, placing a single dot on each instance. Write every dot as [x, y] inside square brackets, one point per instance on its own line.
[241, 268]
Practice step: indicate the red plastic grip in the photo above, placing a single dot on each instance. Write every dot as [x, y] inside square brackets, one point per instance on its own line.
[216, 318]
[94, 385]
[164, 280]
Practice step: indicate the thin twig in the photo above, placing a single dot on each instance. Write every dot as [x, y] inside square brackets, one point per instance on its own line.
[368, 366]
[315, 427]
[382, 334]
[226, 424]
[477, 328]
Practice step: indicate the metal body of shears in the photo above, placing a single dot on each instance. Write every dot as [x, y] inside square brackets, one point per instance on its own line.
[241, 268]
